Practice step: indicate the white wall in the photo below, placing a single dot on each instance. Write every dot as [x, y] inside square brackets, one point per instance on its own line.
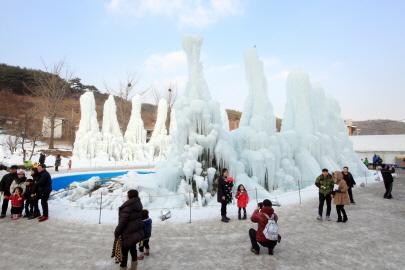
[46, 129]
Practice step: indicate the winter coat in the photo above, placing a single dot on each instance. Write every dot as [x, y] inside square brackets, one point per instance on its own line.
[349, 179]
[6, 183]
[15, 200]
[326, 182]
[147, 227]
[44, 184]
[379, 160]
[375, 159]
[387, 175]
[340, 196]
[58, 161]
[28, 193]
[262, 220]
[18, 182]
[41, 159]
[243, 198]
[366, 162]
[130, 223]
[34, 189]
[224, 189]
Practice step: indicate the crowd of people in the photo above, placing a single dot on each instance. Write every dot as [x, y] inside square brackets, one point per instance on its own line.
[25, 194]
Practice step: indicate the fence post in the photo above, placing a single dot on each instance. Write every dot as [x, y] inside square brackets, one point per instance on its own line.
[365, 176]
[299, 190]
[257, 202]
[101, 202]
[189, 199]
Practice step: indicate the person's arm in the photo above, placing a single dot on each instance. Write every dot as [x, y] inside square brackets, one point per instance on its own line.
[354, 182]
[2, 184]
[122, 221]
[255, 216]
[237, 196]
[318, 182]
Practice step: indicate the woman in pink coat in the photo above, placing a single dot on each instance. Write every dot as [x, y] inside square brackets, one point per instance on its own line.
[243, 199]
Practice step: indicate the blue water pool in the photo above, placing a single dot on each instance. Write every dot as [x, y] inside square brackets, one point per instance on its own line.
[63, 181]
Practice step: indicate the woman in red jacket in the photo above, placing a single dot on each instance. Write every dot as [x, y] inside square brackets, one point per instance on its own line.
[243, 199]
[258, 236]
[17, 202]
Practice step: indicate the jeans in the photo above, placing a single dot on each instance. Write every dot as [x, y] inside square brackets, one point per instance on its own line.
[44, 203]
[125, 255]
[4, 206]
[322, 199]
[143, 244]
[252, 234]
[349, 190]
[340, 210]
[223, 208]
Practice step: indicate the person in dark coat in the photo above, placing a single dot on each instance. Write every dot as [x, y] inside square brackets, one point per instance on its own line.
[41, 159]
[28, 198]
[261, 220]
[34, 196]
[374, 162]
[224, 195]
[386, 173]
[5, 185]
[348, 177]
[58, 161]
[147, 230]
[130, 228]
[44, 189]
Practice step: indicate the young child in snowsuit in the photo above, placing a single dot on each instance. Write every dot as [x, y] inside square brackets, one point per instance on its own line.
[70, 164]
[147, 230]
[243, 199]
[17, 202]
[27, 194]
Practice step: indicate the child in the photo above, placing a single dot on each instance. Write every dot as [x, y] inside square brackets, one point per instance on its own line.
[70, 164]
[243, 199]
[147, 230]
[17, 202]
[27, 194]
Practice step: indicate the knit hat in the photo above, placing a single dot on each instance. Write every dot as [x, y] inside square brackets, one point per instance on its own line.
[21, 172]
[267, 203]
[15, 167]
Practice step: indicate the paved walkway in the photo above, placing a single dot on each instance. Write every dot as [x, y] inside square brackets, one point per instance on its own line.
[371, 239]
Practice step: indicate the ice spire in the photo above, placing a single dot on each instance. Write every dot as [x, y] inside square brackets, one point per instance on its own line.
[135, 132]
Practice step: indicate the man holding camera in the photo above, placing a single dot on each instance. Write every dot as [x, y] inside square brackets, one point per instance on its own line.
[259, 217]
[386, 172]
[325, 184]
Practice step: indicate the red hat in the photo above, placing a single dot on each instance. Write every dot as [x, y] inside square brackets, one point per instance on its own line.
[230, 179]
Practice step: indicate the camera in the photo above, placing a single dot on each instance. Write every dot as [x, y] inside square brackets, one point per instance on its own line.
[260, 204]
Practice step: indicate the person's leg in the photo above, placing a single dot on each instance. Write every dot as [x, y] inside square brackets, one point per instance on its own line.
[134, 262]
[146, 243]
[349, 190]
[44, 203]
[321, 203]
[244, 213]
[124, 261]
[342, 209]
[252, 235]
[390, 190]
[141, 246]
[328, 199]
[270, 245]
[4, 207]
[239, 214]
[223, 209]
[338, 210]
[387, 189]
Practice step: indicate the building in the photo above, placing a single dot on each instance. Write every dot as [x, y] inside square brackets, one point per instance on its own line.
[391, 148]
[59, 127]
[351, 128]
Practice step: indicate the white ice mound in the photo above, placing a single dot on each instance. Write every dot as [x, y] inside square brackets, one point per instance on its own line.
[88, 137]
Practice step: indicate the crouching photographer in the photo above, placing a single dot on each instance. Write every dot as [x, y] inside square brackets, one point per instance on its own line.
[267, 231]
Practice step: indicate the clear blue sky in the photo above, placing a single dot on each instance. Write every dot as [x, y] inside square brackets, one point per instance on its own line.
[355, 49]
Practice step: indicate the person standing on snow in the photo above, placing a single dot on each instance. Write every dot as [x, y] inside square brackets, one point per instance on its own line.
[44, 186]
[224, 195]
[57, 162]
[325, 184]
[5, 185]
[18, 182]
[348, 177]
[374, 162]
[243, 199]
[340, 198]
[42, 158]
[366, 162]
[386, 173]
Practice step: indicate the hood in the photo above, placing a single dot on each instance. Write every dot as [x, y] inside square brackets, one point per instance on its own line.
[134, 203]
[337, 176]
[267, 210]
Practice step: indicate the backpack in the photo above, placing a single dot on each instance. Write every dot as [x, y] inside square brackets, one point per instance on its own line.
[271, 229]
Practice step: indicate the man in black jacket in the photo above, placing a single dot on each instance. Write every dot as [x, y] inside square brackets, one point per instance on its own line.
[44, 185]
[348, 177]
[386, 173]
[41, 159]
[5, 187]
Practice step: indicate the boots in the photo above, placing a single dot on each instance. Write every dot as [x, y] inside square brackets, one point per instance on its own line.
[239, 217]
[224, 219]
[27, 214]
[123, 268]
[339, 219]
[140, 256]
[134, 265]
[147, 252]
[244, 216]
[345, 219]
[227, 218]
[35, 214]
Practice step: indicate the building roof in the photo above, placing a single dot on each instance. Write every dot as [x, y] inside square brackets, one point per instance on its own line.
[373, 143]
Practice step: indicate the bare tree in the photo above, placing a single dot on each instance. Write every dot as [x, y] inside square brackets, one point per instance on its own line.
[51, 88]
[12, 143]
[29, 129]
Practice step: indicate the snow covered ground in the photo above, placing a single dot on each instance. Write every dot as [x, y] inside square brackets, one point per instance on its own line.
[371, 239]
